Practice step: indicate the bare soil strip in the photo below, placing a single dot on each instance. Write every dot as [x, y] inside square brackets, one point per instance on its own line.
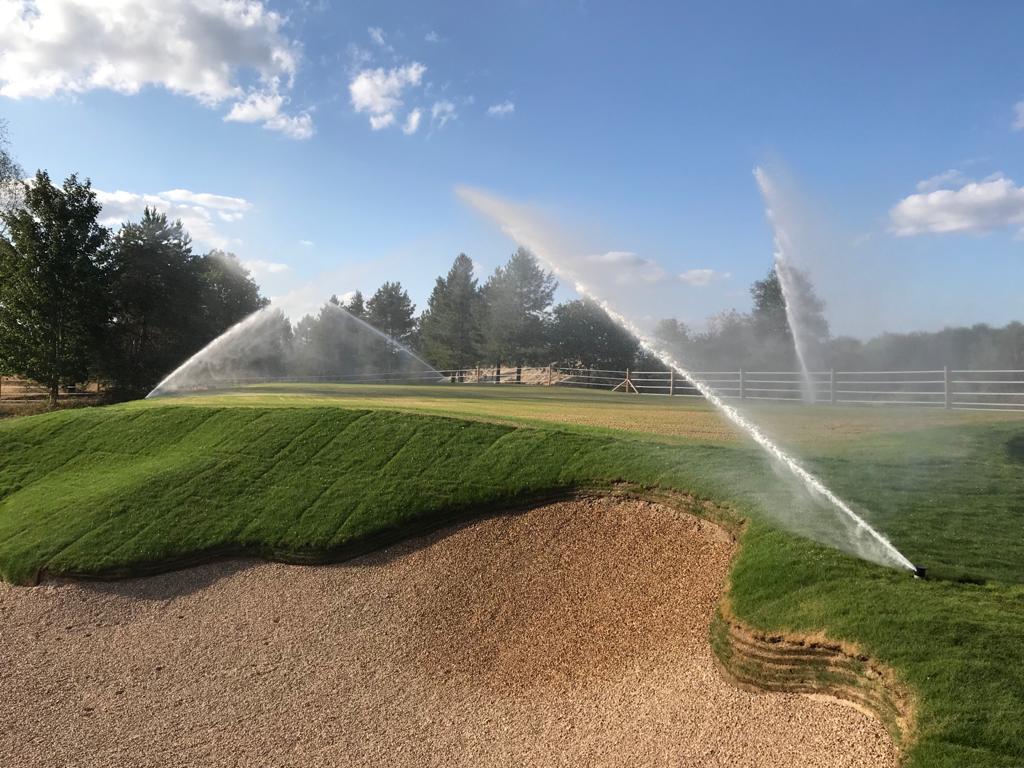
[573, 634]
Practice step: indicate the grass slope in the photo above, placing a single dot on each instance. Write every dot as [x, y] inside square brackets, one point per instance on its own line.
[116, 489]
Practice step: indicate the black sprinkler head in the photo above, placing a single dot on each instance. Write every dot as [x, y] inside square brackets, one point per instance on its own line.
[920, 572]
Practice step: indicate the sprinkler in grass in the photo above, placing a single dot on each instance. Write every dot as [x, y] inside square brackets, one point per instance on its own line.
[849, 530]
[332, 345]
[920, 572]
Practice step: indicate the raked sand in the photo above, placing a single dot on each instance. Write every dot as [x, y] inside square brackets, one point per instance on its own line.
[572, 635]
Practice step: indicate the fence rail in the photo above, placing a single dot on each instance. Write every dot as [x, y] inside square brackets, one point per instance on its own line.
[991, 390]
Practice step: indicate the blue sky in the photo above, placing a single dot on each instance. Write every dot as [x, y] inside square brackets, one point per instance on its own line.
[636, 126]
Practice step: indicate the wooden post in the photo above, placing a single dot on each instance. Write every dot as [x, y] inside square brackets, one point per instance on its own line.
[671, 382]
[743, 385]
[832, 386]
[478, 374]
[948, 388]
[519, 374]
[549, 374]
[497, 373]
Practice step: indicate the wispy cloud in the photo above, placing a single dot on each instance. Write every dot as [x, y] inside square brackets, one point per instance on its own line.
[306, 243]
[504, 109]
[943, 180]
[982, 206]
[1018, 116]
[233, 52]
[261, 268]
[702, 277]
[432, 37]
[412, 122]
[199, 212]
[377, 35]
[442, 113]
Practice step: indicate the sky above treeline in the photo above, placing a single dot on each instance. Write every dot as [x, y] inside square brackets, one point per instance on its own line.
[324, 143]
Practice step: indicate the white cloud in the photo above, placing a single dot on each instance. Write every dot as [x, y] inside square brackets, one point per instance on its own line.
[197, 48]
[265, 107]
[260, 268]
[501, 110]
[377, 35]
[1018, 120]
[701, 277]
[442, 112]
[629, 267]
[412, 122]
[978, 206]
[944, 180]
[378, 92]
[306, 243]
[432, 37]
[198, 211]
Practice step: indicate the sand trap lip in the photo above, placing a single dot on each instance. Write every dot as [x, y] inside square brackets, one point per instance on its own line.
[572, 634]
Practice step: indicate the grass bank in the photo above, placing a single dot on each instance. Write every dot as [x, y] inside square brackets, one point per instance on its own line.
[122, 489]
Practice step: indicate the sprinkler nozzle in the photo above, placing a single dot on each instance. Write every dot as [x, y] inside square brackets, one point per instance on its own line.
[920, 572]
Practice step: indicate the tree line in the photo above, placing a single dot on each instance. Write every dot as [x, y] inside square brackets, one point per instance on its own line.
[80, 302]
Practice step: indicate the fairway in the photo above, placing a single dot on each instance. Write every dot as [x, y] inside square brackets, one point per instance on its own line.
[322, 473]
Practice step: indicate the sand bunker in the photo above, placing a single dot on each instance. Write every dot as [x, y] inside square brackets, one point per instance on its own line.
[575, 634]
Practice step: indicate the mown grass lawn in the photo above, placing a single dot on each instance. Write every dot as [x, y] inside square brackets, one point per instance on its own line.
[121, 489]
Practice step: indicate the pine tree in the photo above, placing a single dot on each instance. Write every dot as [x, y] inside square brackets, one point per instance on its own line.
[356, 306]
[390, 311]
[518, 297]
[450, 328]
[52, 300]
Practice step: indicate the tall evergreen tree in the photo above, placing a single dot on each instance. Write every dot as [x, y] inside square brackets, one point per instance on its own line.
[52, 299]
[390, 311]
[450, 329]
[356, 306]
[518, 297]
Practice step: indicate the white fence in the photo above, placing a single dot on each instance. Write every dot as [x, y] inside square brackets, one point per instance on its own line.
[999, 390]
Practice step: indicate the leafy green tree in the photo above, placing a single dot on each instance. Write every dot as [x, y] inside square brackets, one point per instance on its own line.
[673, 335]
[156, 303]
[450, 328]
[229, 292]
[390, 311]
[771, 324]
[583, 335]
[11, 175]
[52, 300]
[518, 297]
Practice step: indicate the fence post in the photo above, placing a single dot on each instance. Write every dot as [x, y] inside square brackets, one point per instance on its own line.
[497, 373]
[549, 373]
[743, 385]
[948, 388]
[519, 374]
[671, 381]
[832, 386]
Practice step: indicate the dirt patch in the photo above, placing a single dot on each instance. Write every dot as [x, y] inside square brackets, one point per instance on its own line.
[573, 634]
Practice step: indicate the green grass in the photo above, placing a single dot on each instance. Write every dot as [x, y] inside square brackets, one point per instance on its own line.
[117, 490]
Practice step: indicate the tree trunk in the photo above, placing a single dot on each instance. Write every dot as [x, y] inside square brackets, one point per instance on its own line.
[54, 394]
